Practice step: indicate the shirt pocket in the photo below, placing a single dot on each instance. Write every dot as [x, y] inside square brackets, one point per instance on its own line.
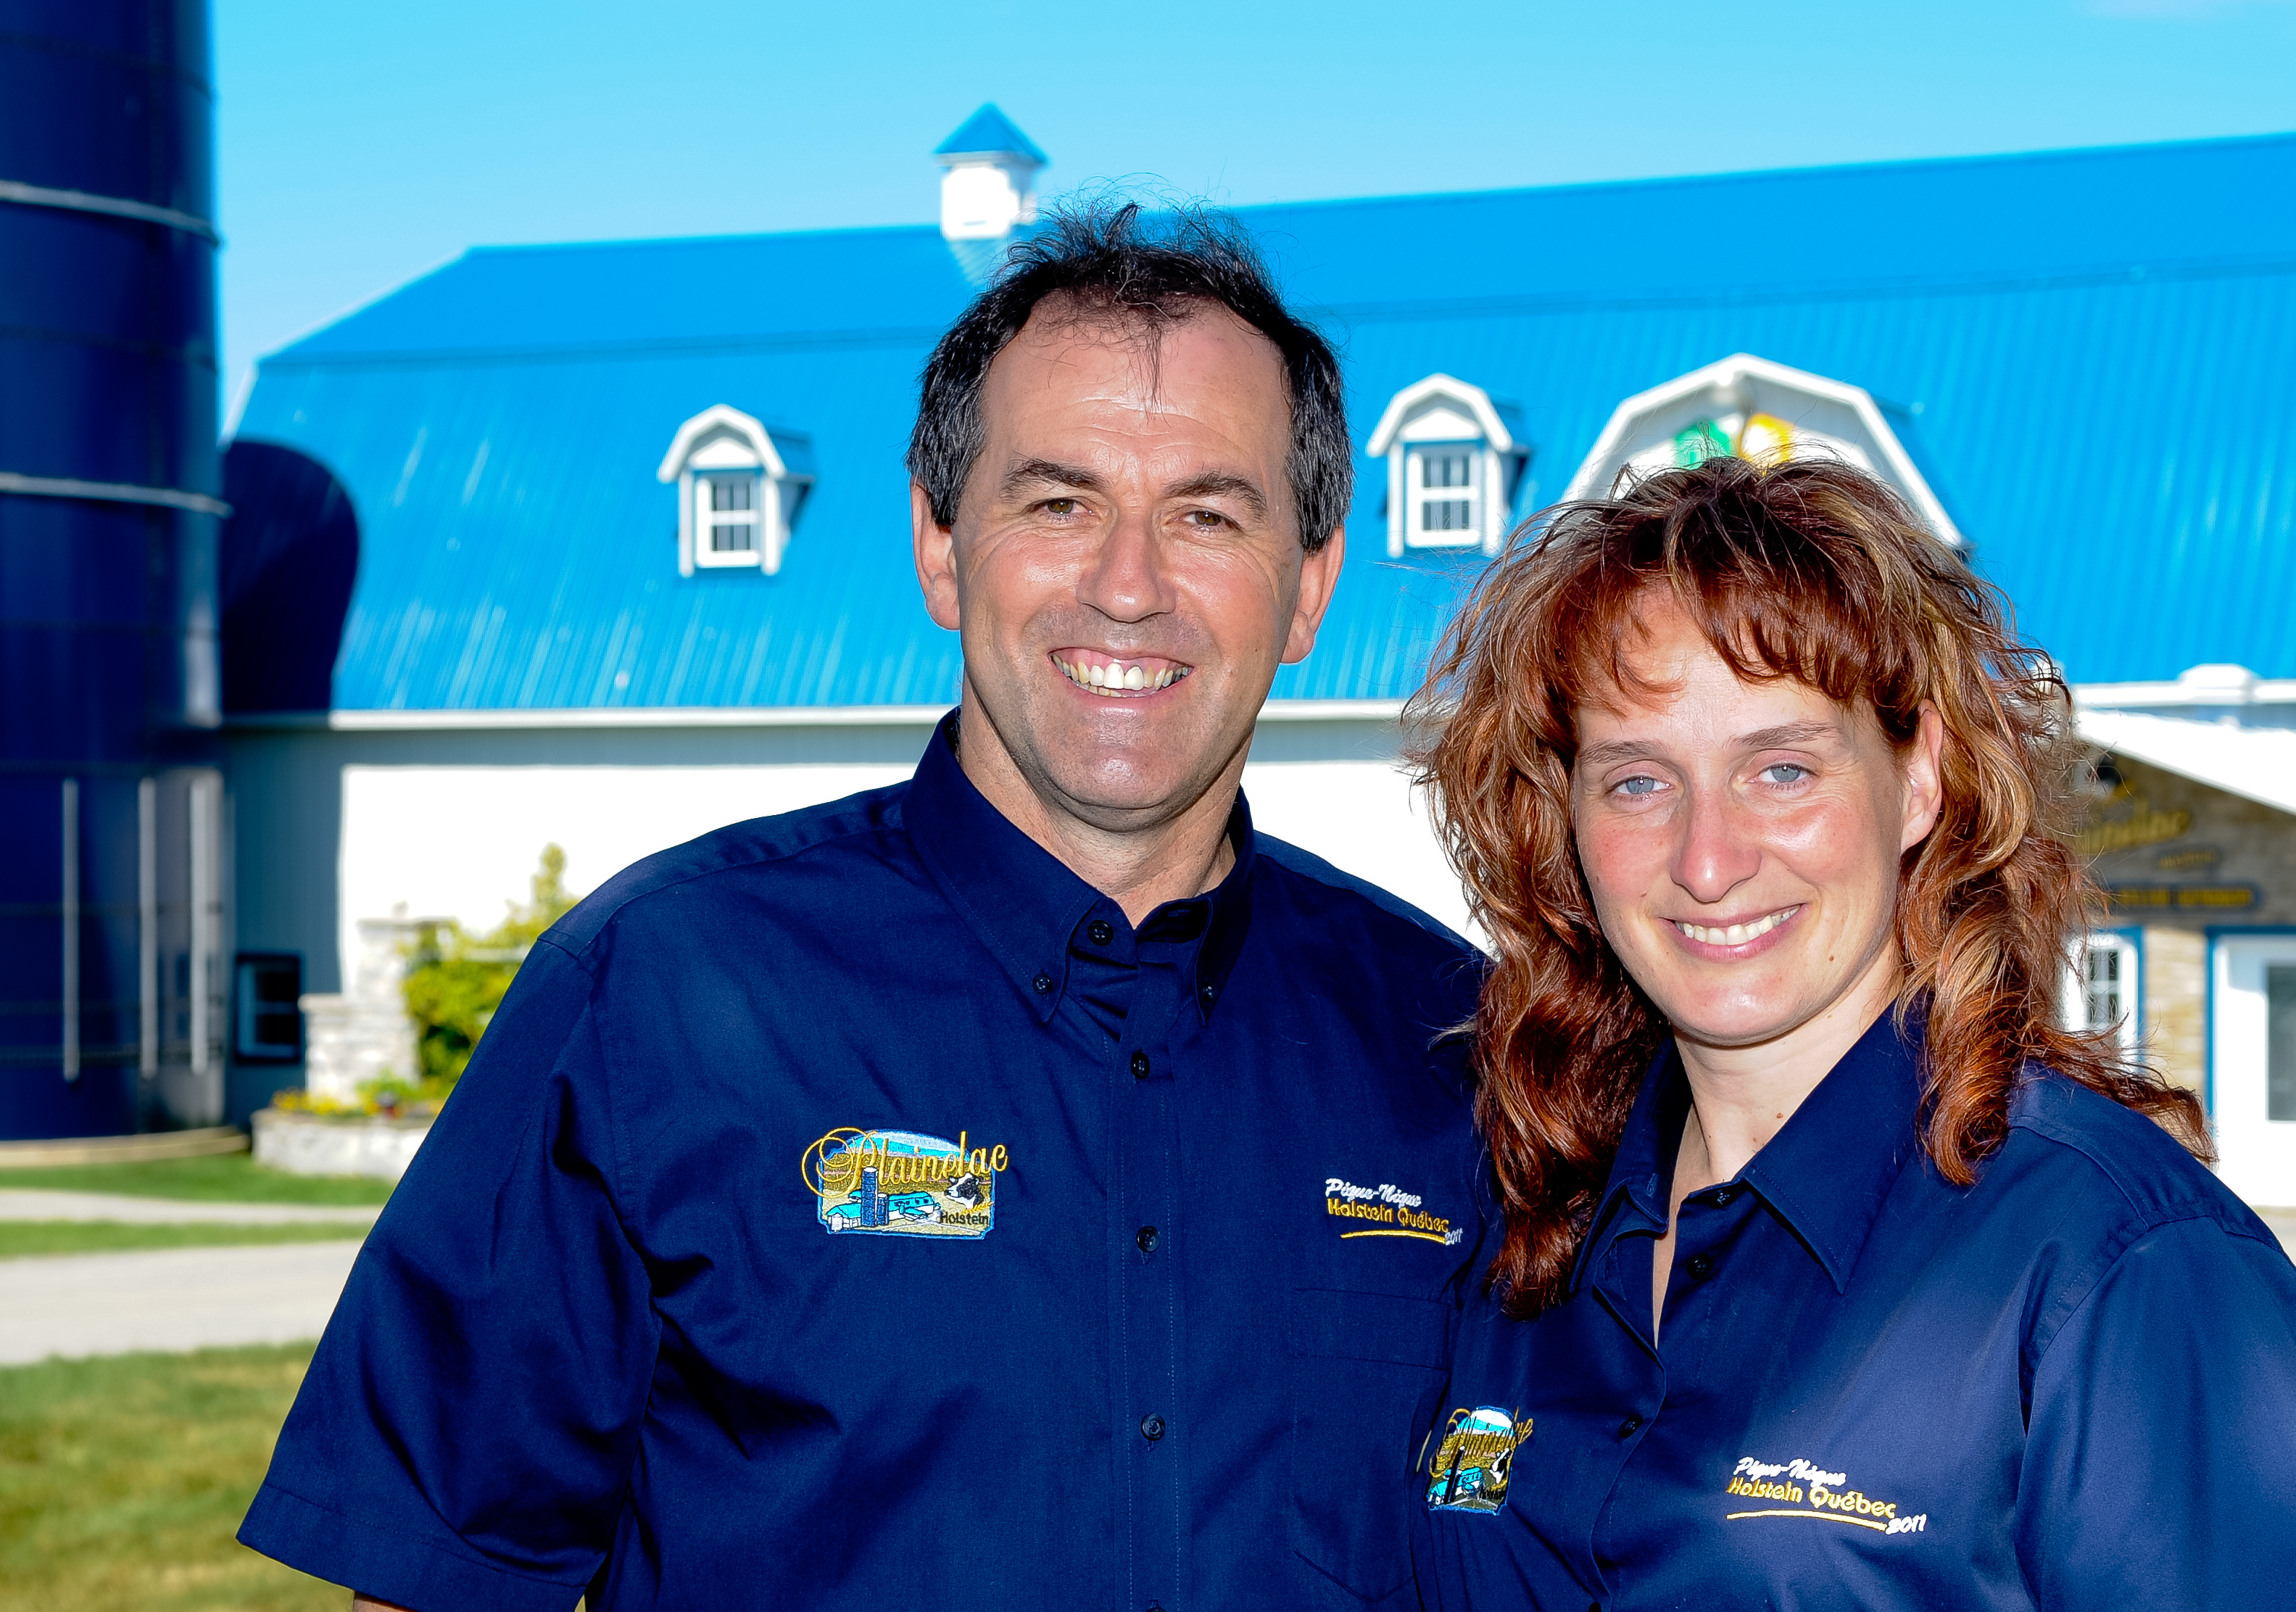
[1367, 1368]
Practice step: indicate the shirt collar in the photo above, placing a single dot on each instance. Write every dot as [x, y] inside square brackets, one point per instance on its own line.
[1025, 904]
[1825, 1172]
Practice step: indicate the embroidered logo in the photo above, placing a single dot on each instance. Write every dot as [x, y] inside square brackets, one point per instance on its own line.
[1474, 1460]
[1811, 1490]
[1384, 1211]
[904, 1184]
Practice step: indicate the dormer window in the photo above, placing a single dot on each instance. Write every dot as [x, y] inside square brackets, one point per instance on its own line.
[1762, 411]
[739, 489]
[1455, 468]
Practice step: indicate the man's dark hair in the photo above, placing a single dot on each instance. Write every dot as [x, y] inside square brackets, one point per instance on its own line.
[1111, 262]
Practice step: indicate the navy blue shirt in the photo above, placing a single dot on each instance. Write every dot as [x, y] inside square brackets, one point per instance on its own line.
[2072, 1385]
[851, 1206]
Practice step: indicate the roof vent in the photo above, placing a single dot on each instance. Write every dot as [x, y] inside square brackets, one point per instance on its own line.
[989, 178]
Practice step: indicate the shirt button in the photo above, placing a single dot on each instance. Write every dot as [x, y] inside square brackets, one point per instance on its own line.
[1147, 1239]
[1630, 1426]
[1139, 1066]
[1700, 1266]
[1043, 982]
[1722, 1196]
[1100, 932]
[1152, 1427]
[1210, 992]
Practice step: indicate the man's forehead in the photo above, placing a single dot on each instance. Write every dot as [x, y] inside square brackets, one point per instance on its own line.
[1200, 339]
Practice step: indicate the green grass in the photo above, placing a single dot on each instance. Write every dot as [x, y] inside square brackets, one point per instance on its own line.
[218, 1177]
[122, 1481]
[21, 1238]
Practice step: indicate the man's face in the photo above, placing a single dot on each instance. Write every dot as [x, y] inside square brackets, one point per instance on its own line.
[1126, 566]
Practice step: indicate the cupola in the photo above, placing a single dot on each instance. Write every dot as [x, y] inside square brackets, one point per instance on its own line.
[988, 177]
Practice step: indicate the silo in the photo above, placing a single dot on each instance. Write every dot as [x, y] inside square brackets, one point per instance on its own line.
[111, 922]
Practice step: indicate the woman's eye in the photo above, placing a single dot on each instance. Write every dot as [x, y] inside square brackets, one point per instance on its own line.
[1784, 772]
[1635, 788]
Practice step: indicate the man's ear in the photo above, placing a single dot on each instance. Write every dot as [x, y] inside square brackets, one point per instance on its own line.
[1319, 574]
[935, 552]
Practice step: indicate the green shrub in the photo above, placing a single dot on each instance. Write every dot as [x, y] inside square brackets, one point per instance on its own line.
[456, 980]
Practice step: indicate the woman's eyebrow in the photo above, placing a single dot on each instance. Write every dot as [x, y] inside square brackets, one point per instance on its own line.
[1616, 750]
[1787, 733]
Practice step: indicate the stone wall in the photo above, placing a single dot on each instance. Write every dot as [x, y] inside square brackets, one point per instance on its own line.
[2181, 859]
[355, 1036]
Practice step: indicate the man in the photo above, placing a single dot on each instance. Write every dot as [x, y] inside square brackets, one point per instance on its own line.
[1022, 1187]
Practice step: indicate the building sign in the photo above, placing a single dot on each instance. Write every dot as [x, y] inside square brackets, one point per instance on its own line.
[2183, 898]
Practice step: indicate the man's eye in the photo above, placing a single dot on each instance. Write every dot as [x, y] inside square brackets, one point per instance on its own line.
[1784, 772]
[1206, 518]
[1059, 506]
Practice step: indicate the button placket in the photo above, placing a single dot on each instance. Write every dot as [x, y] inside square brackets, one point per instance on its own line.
[1143, 1214]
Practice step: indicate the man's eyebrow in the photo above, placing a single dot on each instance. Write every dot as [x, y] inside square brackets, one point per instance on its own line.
[1219, 484]
[1043, 473]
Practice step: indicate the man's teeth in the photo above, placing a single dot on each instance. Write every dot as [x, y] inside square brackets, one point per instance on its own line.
[1737, 935]
[1121, 679]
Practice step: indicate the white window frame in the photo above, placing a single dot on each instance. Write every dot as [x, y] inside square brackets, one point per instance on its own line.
[1417, 532]
[708, 518]
[2121, 952]
[2256, 1153]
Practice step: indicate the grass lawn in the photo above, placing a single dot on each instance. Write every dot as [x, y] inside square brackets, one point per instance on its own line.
[219, 1177]
[122, 1481]
[20, 1239]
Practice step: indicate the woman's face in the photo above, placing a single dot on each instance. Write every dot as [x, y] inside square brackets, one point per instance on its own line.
[1742, 840]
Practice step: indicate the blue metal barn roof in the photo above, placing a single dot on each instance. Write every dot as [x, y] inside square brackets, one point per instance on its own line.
[2095, 351]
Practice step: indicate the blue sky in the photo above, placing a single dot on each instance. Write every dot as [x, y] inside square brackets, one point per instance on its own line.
[361, 146]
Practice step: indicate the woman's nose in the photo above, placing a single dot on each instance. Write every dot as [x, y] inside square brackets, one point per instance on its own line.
[1718, 851]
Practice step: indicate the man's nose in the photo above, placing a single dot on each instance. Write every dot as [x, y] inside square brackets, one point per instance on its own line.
[1718, 851]
[1126, 580]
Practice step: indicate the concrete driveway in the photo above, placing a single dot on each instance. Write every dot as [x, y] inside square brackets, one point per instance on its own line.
[173, 1298]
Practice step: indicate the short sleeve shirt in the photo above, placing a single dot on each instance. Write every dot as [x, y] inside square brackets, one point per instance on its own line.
[2070, 1385]
[852, 1206]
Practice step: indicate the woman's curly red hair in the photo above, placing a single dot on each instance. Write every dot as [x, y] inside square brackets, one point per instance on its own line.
[1815, 571]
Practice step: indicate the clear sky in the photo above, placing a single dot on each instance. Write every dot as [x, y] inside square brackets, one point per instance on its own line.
[362, 144]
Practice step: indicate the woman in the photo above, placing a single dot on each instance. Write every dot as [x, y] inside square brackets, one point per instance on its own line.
[1836, 1274]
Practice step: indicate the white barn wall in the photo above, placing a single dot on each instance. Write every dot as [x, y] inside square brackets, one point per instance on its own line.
[450, 824]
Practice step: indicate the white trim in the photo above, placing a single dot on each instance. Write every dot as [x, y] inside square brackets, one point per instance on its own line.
[2256, 763]
[1729, 375]
[720, 716]
[118, 207]
[720, 416]
[110, 492]
[2195, 685]
[1439, 386]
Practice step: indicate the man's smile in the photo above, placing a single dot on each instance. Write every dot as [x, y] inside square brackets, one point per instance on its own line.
[1104, 674]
